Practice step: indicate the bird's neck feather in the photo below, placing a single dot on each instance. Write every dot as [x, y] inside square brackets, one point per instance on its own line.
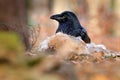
[76, 23]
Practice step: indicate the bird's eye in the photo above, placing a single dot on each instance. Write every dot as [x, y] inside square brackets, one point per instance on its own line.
[63, 17]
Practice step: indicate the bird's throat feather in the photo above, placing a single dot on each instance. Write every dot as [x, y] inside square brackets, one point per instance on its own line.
[64, 27]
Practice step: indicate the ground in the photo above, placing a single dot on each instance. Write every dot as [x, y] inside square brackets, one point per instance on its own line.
[61, 57]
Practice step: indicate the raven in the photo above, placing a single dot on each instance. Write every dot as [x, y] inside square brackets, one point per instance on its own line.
[69, 24]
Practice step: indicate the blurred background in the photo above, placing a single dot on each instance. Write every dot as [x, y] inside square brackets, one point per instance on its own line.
[101, 18]
[30, 19]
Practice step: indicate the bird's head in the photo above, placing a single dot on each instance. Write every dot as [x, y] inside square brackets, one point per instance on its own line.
[64, 16]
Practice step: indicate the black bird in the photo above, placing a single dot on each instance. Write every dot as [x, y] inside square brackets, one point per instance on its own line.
[69, 24]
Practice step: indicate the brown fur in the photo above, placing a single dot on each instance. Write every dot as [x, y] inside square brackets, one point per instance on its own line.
[64, 45]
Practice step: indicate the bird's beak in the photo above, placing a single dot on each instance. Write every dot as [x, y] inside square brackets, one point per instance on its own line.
[55, 17]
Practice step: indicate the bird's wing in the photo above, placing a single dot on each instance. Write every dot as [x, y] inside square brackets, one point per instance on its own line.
[77, 32]
[82, 33]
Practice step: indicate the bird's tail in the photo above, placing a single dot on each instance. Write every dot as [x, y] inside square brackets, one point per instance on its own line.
[86, 39]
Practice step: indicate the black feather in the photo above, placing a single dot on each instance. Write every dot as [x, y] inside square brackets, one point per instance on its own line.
[69, 24]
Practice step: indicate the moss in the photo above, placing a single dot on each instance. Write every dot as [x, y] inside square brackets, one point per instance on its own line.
[10, 42]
